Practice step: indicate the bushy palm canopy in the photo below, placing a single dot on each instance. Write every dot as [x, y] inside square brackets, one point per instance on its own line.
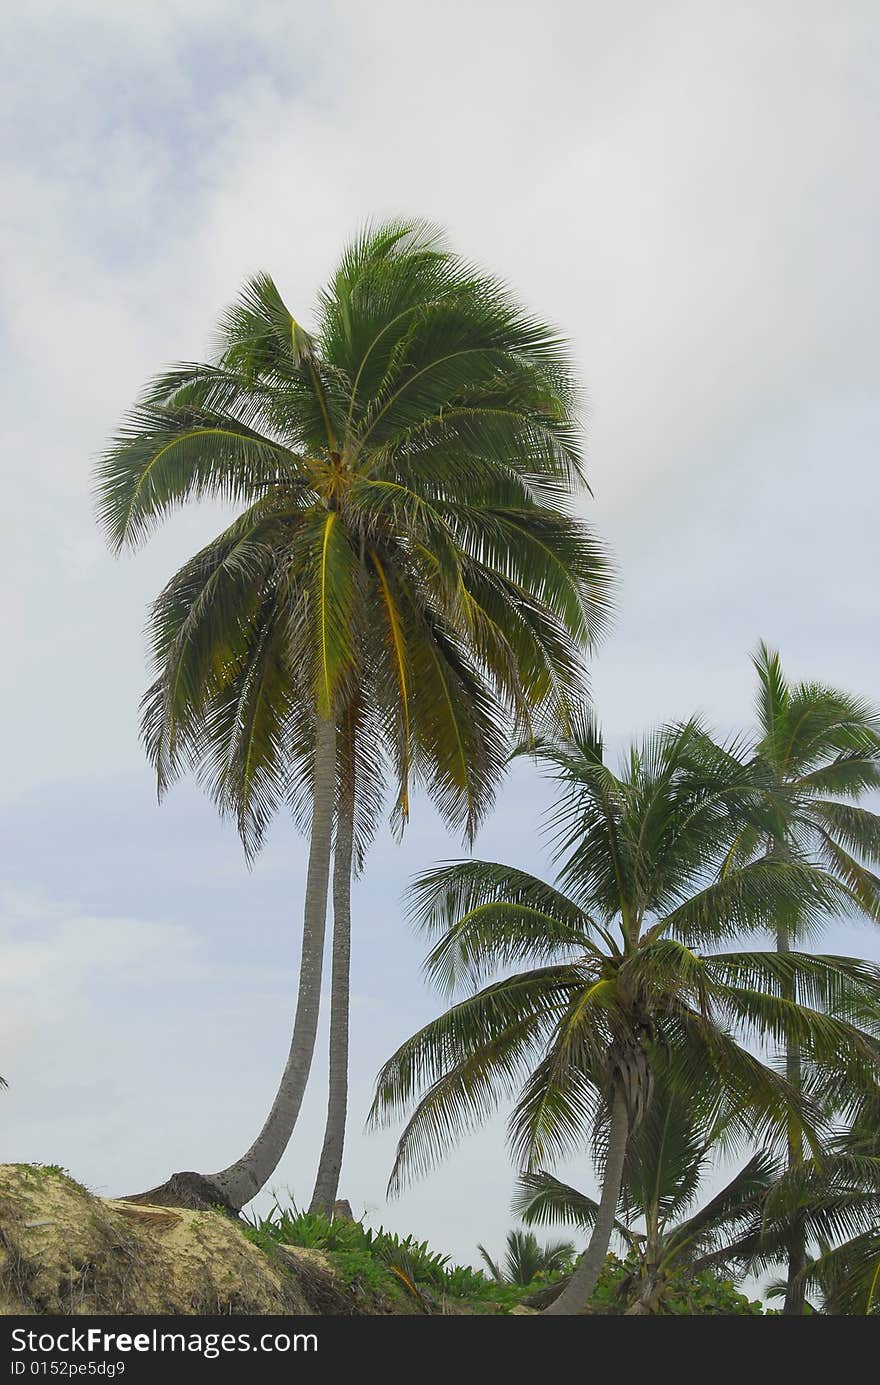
[405, 560]
[846, 1278]
[624, 967]
[817, 754]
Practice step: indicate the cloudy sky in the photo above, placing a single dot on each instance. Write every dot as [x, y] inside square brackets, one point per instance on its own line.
[688, 189]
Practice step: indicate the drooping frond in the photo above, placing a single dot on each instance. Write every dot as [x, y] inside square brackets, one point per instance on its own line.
[164, 456]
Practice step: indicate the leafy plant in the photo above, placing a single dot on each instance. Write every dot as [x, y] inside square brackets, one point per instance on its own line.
[525, 1260]
[411, 1262]
[686, 1294]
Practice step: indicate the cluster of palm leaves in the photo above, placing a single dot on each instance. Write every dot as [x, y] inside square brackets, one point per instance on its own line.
[634, 1032]
[406, 593]
[526, 1260]
[671, 1237]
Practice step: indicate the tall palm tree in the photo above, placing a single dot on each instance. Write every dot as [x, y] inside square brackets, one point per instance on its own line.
[525, 1258]
[817, 755]
[666, 1240]
[405, 582]
[616, 983]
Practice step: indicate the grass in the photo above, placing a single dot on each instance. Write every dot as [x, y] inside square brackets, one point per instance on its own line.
[42, 1171]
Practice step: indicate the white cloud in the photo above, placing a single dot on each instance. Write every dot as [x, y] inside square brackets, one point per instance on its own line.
[687, 189]
[54, 959]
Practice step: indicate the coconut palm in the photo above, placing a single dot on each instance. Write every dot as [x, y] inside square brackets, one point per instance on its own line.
[404, 583]
[622, 975]
[525, 1259]
[835, 1202]
[745, 1227]
[817, 755]
[666, 1240]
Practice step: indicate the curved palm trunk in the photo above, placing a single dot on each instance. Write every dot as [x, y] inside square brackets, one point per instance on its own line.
[242, 1180]
[795, 1291]
[330, 1165]
[577, 1292]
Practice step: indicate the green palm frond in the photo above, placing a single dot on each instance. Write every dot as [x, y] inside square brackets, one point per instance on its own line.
[462, 1064]
[166, 456]
[847, 1277]
[540, 1199]
[649, 885]
[526, 1259]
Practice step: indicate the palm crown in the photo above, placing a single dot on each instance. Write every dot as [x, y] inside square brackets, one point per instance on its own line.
[817, 753]
[525, 1258]
[405, 562]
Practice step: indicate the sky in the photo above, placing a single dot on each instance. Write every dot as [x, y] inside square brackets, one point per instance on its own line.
[688, 190]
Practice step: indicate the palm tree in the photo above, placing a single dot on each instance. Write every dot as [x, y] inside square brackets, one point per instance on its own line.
[745, 1227]
[835, 1202]
[525, 1259]
[817, 754]
[666, 1159]
[404, 584]
[616, 984]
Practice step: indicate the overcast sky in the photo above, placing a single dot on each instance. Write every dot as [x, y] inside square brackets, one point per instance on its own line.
[688, 189]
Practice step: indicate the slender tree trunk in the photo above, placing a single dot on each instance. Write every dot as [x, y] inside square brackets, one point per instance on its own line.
[330, 1165]
[795, 1292]
[647, 1291]
[578, 1290]
[241, 1181]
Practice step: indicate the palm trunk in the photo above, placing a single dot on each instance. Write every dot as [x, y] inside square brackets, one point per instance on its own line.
[795, 1292]
[647, 1290]
[648, 1301]
[579, 1289]
[241, 1181]
[330, 1165]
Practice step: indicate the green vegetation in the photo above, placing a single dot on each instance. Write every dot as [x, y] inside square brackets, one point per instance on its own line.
[525, 1260]
[685, 1293]
[379, 1259]
[380, 1262]
[41, 1171]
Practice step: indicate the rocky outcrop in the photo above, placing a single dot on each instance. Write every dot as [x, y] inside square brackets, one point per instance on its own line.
[64, 1251]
